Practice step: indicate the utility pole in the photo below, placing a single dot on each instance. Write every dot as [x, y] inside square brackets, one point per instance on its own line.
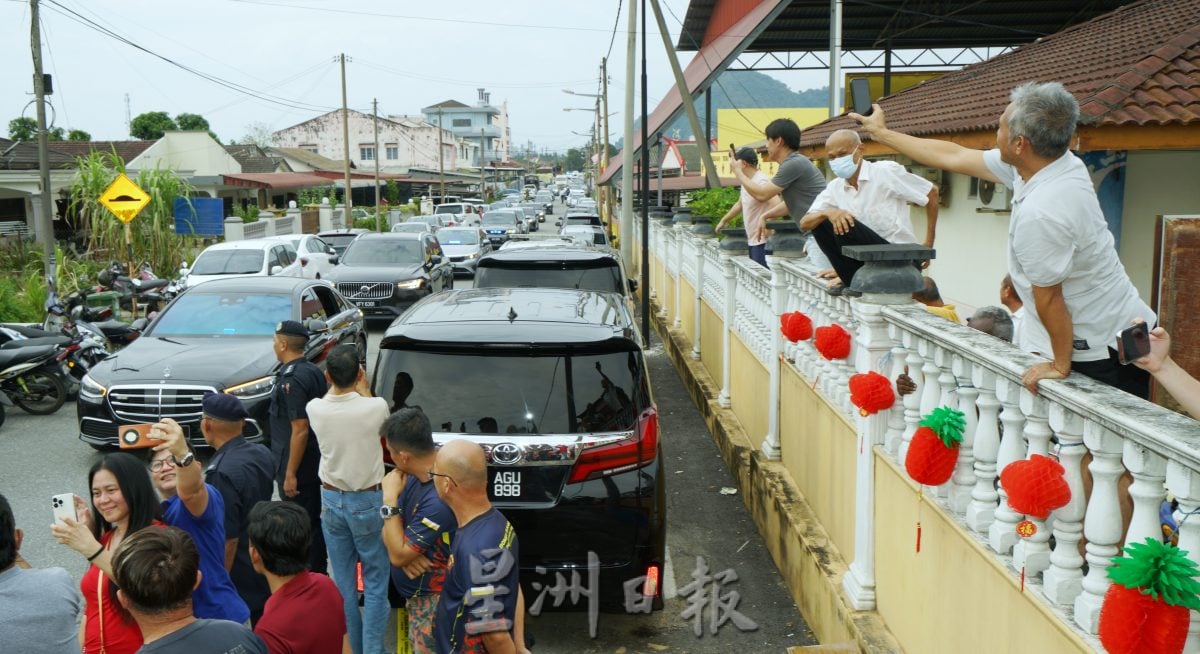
[375, 120]
[607, 199]
[45, 219]
[482, 182]
[346, 145]
[441, 171]
[835, 55]
[645, 255]
[628, 150]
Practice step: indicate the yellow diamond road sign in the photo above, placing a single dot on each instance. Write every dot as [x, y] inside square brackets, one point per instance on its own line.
[124, 198]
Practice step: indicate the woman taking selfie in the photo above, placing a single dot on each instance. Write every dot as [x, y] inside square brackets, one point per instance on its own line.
[123, 501]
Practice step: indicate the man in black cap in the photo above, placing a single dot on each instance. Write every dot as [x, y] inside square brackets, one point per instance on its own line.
[293, 443]
[243, 472]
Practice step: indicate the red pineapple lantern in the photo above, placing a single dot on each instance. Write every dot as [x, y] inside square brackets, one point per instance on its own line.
[1036, 485]
[1145, 610]
[796, 326]
[871, 393]
[833, 342]
[933, 452]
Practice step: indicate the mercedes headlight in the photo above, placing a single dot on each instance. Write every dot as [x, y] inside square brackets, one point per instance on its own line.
[254, 388]
[90, 389]
[410, 284]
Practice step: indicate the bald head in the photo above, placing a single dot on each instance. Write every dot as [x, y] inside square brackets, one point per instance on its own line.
[843, 139]
[464, 462]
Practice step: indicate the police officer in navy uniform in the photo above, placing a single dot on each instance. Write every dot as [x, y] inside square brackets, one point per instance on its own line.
[243, 472]
[293, 443]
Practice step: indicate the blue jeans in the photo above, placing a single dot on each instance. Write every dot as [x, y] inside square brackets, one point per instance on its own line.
[758, 254]
[353, 533]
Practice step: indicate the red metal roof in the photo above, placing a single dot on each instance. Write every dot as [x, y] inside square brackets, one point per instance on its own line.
[1136, 66]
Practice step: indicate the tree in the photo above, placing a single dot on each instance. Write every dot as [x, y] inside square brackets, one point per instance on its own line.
[257, 134]
[191, 122]
[576, 159]
[78, 135]
[55, 134]
[151, 125]
[22, 129]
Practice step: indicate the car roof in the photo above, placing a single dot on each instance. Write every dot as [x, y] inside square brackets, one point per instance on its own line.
[472, 319]
[398, 236]
[254, 284]
[344, 231]
[555, 252]
[248, 244]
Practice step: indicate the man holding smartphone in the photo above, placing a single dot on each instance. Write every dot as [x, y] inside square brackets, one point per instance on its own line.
[1061, 256]
[754, 212]
[797, 180]
[39, 609]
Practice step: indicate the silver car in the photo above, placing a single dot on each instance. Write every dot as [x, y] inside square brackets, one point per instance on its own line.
[463, 246]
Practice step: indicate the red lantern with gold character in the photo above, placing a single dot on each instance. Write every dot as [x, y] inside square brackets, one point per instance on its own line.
[1145, 610]
[1035, 486]
[833, 342]
[871, 393]
[933, 451]
[796, 326]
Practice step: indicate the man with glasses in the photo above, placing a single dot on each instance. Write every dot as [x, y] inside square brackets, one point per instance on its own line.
[198, 509]
[243, 473]
[479, 606]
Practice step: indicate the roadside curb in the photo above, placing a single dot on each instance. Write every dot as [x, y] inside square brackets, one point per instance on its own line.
[811, 566]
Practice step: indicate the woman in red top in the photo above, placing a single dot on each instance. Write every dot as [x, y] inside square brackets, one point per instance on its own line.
[123, 501]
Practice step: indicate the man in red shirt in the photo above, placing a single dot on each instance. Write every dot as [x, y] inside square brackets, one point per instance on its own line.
[297, 618]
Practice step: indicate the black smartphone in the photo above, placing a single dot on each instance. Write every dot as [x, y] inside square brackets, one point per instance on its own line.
[732, 152]
[1133, 343]
[860, 96]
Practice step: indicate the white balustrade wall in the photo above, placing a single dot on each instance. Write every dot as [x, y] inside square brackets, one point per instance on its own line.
[980, 375]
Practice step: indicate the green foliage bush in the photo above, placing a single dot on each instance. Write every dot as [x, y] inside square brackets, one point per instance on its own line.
[715, 203]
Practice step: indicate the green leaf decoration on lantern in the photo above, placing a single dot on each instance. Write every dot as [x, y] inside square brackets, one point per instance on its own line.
[947, 423]
[1160, 570]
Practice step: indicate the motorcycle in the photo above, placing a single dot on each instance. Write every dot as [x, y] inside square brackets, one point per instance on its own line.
[29, 379]
[144, 288]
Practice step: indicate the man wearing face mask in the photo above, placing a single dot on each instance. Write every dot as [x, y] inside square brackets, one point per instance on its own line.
[866, 204]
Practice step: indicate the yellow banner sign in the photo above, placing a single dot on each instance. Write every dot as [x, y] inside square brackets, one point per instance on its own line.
[124, 198]
[721, 162]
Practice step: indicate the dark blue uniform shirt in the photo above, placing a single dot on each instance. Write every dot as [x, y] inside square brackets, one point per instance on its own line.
[299, 381]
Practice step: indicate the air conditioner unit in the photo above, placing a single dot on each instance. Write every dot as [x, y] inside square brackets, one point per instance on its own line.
[993, 197]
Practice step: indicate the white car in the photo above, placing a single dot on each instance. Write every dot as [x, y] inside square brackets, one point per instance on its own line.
[258, 257]
[317, 257]
[457, 213]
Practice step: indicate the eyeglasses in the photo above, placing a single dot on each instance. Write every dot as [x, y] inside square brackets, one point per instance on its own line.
[158, 464]
[438, 474]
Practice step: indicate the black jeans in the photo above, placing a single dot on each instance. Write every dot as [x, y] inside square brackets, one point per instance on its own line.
[1131, 379]
[309, 497]
[831, 244]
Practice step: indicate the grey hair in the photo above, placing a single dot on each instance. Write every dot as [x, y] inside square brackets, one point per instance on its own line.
[1002, 324]
[1046, 114]
[845, 133]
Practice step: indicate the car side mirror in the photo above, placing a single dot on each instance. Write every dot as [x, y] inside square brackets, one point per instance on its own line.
[633, 285]
[435, 259]
[139, 324]
[276, 269]
[333, 259]
[331, 251]
[316, 326]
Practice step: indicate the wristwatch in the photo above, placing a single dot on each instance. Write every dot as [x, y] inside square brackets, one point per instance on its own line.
[185, 461]
[386, 511]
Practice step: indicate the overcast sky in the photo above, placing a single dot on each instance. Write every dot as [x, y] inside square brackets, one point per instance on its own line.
[407, 54]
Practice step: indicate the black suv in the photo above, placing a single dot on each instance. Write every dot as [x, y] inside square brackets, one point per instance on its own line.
[215, 337]
[552, 384]
[556, 266]
[383, 274]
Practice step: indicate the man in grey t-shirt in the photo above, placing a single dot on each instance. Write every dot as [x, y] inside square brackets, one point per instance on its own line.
[39, 609]
[797, 180]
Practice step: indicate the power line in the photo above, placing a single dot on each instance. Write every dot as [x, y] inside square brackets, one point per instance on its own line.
[233, 86]
[613, 38]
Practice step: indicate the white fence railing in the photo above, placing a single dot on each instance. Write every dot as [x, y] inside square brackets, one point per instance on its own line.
[953, 365]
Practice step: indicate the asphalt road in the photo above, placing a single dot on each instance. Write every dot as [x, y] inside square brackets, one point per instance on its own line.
[41, 456]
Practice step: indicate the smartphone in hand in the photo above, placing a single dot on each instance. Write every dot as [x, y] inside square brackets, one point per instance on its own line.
[1133, 343]
[63, 506]
[860, 96]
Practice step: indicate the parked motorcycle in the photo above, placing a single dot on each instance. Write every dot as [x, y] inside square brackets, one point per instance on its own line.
[145, 288]
[29, 379]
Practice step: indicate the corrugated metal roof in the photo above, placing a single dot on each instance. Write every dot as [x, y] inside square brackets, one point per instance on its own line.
[127, 150]
[874, 24]
[1137, 66]
[25, 156]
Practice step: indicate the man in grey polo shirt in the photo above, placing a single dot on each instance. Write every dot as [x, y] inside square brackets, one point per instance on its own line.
[797, 180]
[1061, 256]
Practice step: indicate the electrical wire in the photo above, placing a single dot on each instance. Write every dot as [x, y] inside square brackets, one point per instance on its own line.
[613, 38]
[54, 68]
[233, 86]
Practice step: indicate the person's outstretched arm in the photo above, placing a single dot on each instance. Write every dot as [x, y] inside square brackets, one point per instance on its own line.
[1182, 386]
[931, 152]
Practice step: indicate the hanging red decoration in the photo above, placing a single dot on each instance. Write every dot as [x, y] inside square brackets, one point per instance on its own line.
[933, 451]
[1145, 610]
[796, 326]
[871, 393]
[833, 342]
[1035, 486]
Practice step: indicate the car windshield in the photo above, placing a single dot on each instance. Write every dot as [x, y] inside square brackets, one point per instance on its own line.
[602, 276]
[428, 220]
[449, 208]
[583, 393]
[410, 227]
[197, 313]
[498, 219]
[339, 241]
[458, 237]
[228, 262]
[382, 252]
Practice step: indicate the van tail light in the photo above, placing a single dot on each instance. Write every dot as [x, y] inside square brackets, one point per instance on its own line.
[626, 454]
[303, 262]
[650, 588]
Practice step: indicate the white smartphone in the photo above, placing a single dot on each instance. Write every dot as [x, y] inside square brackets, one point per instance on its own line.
[64, 506]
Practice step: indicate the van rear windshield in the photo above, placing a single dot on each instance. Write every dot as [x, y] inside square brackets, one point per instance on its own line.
[518, 393]
[603, 277]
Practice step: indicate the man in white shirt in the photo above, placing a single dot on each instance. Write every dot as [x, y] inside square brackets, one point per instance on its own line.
[1061, 256]
[866, 204]
[755, 213]
[346, 422]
